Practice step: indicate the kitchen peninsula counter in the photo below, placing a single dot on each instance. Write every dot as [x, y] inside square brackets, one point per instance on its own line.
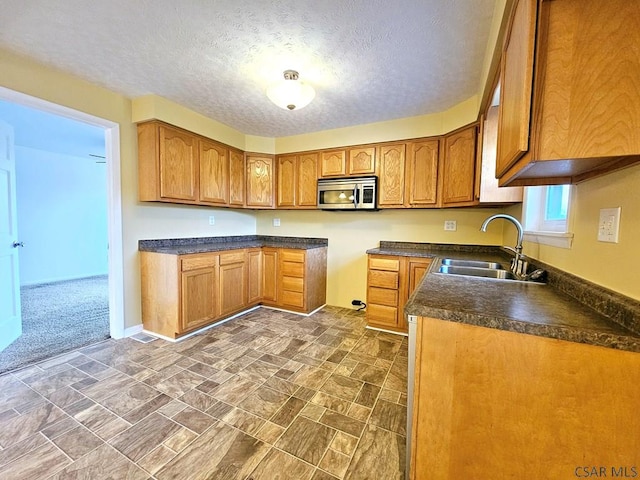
[566, 308]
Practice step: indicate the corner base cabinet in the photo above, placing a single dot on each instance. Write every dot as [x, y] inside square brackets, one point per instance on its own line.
[391, 280]
[182, 293]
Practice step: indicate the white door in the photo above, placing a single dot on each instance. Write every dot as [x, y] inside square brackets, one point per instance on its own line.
[10, 316]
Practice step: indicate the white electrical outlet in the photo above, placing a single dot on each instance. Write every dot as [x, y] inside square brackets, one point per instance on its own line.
[212, 220]
[276, 222]
[450, 225]
[609, 225]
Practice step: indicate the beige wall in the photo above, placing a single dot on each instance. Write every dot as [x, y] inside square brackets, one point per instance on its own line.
[614, 266]
[350, 234]
[139, 221]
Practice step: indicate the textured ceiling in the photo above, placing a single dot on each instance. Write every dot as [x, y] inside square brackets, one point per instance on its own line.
[369, 60]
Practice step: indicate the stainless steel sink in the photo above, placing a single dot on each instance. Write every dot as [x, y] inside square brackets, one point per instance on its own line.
[472, 263]
[486, 272]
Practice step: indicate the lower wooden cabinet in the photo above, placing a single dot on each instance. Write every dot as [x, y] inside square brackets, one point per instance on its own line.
[198, 290]
[534, 407]
[390, 281]
[297, 279]
[181, 293]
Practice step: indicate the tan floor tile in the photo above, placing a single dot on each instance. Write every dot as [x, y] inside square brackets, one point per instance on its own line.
[180, 440]
[379, 454]
[307, 440]
[313, 411]
[103, 462]
[330, 402]
[21, 448]
[156, 459]
[390, 416]
[280, 465]
[270, 433]
[39, 463]
[194, 419]
[342, 387]
[77, 442]
[143, 437]
[342, 422]
[245, 421]
[335, 463]
[18, 428]
[344, 443]
[264, 402]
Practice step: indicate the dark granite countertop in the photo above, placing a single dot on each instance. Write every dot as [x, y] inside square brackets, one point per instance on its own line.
[184, 246]
[566, 308]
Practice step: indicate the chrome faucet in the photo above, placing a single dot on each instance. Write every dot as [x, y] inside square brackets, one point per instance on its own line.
[518, 265]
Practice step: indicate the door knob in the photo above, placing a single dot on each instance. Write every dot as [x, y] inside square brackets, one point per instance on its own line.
[18, 244]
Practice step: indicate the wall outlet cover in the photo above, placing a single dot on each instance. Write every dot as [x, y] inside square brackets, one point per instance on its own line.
[212, 220]
[276, 222]
[450, 225]
[609, 225]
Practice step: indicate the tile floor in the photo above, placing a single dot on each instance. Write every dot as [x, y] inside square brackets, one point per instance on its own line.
[268, 395]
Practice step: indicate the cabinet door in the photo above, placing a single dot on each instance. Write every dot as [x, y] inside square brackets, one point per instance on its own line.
[199, 300]
[391, 173]
[516, 83]
[254, 282]
[260, 181]
[233, 282]
[287, 180]
[214, 173]
[178, 164]
[333, 163]
[362, 161]
[422, 173]
[457, 169]
[307, 183]
[417, 268]
[236, 178]
[270, 272]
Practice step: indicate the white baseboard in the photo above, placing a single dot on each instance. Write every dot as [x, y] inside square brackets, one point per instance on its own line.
[200, 330]
[296, 313]
[131, 331]
[386, 331]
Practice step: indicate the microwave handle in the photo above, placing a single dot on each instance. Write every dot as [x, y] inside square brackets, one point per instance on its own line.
[356, 197]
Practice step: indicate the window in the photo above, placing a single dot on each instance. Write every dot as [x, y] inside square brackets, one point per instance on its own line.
[546, 215]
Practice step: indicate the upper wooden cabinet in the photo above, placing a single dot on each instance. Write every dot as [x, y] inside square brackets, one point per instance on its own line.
[333, 163]
[361, 161]
[487, 189]
[236, 177]
[421, 181]
[569, 83]
[391, 176]
[297, 180]
[260, 181]
[168, 164]
[214, 173]
[457, 167]
[353, 161]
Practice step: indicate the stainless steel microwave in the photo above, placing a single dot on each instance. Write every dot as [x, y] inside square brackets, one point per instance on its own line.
[349, 193]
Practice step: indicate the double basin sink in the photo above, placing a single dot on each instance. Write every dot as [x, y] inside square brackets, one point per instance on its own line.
[476, 268]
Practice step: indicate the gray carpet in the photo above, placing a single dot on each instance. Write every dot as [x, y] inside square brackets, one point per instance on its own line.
[58, 317]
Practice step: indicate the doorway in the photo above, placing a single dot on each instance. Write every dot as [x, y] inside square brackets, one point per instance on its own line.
[101, 262]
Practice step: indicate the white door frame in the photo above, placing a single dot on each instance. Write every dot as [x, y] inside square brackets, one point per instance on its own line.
[114, 197]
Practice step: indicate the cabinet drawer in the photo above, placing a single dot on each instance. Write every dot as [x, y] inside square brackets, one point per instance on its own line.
[378, 278]
[200, 261]
[294, 299]
[237, 256]
[292, 256]
[292, 269]
[382, 314]
[293, 284]
[382, 296]
[390, 264]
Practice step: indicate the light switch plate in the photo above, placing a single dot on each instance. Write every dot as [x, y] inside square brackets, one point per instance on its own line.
[276, 222]
[450, 225]
[212, 220]
[609, 225]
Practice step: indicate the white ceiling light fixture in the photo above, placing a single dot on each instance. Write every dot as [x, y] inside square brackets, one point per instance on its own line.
[291, 93]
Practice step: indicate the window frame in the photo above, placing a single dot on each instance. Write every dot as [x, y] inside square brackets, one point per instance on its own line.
[539, 230]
